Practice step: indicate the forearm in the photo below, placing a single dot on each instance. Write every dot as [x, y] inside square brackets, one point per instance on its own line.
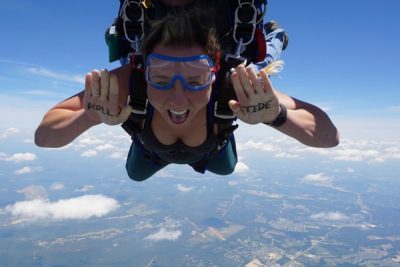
[60, 127]
[310, 126]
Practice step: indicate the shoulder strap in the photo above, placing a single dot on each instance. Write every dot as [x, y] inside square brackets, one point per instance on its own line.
[137, 97]
[248, 18]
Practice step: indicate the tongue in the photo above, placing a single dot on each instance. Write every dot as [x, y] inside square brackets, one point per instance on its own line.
[178, 119]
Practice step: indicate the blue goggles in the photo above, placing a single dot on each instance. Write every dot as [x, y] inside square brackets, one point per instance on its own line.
[195, 72]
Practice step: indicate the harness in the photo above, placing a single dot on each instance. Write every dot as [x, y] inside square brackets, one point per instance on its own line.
[242, 41]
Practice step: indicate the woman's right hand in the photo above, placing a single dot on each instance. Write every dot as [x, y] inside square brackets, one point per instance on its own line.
[102, 98]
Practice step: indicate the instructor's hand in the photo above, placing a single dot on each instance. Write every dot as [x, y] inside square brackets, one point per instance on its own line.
[257, 102]
[101, 99]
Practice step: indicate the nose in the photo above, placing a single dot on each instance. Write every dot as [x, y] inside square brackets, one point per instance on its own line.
[178, 93]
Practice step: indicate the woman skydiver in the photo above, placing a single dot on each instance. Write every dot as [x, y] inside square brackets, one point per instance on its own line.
[180, 53]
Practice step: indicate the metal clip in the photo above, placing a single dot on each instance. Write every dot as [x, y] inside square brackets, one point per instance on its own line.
[222, 116]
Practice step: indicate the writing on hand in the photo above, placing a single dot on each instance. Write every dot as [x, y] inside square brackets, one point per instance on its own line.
[257, 108]
[97, 107]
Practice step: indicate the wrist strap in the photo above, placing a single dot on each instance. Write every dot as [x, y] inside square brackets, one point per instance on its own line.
[281, 118]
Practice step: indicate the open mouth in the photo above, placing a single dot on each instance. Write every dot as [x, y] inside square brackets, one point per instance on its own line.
[178, 117]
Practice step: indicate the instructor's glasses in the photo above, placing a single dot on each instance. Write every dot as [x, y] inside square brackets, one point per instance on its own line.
[195, 72]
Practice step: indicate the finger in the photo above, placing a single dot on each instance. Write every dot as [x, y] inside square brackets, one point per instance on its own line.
[235, 107]
[95, 83]
[256, 81]
[88, 85]
[124, 114]
[237, 85]
[113, 97]
[267, 86]
[244, 79]
[104, 84]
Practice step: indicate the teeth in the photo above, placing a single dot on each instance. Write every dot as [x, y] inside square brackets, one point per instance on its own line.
[178, 113]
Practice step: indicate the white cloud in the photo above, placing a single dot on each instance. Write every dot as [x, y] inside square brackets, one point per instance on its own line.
[241, 168]
[20, 157]
[392, 152]
[329, 216]
[89, 153]
[105, 147]
[23, 170]
[40, 71]
[318, 178]
[88, 140]
[286, 155]
[232, 183]
[183, 188]
[354, 154]
[85, 188]
[164, 234]
[33, 192]
[79, 208]
[257, 146]
[8, 132]
[57, 186]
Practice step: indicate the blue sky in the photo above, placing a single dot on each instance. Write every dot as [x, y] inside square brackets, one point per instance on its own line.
[342, 56]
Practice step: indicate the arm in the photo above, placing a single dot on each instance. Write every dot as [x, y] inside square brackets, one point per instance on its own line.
[258, 102]
[103, 100]
[63, 123]
[307, 123]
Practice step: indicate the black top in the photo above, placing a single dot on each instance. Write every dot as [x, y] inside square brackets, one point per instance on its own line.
[178, 152]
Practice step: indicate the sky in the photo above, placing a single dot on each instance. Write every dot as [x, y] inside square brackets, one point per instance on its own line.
[342, 56]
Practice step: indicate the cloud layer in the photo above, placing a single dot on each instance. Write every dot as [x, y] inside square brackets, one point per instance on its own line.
[164, 234]
[19, 157]
[78, 208]
[329, 216]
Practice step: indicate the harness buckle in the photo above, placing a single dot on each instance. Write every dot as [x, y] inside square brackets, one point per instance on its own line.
[136, 61]
[235, 60]
[245, 22]
[223, 112]
[138, 108]
[132, 15]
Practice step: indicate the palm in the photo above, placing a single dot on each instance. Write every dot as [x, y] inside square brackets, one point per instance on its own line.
[257, 102]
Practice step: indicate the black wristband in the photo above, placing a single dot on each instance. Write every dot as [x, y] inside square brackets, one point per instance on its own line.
[281, 118]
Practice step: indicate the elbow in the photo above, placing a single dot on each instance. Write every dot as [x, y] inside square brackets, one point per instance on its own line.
[332, 142]
[334, 138]
[43, 140]
[39, 139]
[329, 140]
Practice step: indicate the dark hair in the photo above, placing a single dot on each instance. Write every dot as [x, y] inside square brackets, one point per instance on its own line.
[183, 28]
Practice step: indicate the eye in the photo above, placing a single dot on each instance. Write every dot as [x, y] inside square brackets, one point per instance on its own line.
[162, 83]
[194, 83]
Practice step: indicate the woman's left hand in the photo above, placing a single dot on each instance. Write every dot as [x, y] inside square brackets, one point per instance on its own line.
[257, 102]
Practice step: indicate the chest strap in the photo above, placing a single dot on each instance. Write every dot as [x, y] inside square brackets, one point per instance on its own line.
[137, 96]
